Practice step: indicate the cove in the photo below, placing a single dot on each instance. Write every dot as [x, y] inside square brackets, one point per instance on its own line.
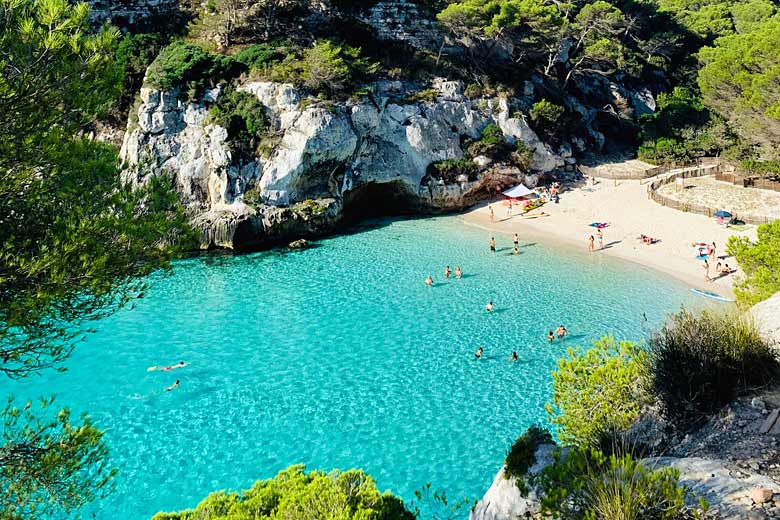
[339, 356]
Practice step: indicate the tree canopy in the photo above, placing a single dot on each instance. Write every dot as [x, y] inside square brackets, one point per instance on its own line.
[760, 262]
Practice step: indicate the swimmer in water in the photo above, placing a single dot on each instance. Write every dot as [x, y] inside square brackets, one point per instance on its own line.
[447, 272]
[550, 336]
[478, 353]
[513, 357]
[429, 281]
[458, 272]
[180, 364]
[489, 307]
[173, 386]
[561, 332]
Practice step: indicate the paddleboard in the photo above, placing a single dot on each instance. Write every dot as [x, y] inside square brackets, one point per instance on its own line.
[709, 294]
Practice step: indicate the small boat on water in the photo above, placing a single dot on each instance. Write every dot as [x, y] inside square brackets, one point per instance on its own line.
[710, 294]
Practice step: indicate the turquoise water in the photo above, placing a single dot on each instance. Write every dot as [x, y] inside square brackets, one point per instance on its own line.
[340, 357]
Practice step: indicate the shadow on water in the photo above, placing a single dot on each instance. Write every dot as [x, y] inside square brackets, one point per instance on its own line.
[530, 244]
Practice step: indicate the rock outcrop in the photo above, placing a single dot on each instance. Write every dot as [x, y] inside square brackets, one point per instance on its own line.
[767, 317]
[136, 15]
[322, 151]
[505, 501]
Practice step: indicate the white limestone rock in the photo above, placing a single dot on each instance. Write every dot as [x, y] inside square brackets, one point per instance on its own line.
[767, 317]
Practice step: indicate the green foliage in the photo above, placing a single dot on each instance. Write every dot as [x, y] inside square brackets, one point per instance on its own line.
[421, 96]
[522, 156]
[242, 115]
[740, 78]
[293, 493]
[492, 134]
[546, 116]
[450, 169]
[134, 54]
[49, 465]
[522, 455]
[700, 362]
[760, 262]
[597, 389]
[586, 484]
[752, 166]
[261, 55]
[185, 65]
[437, 505]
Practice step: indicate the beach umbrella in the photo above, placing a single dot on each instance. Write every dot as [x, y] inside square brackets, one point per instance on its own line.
[723, 214]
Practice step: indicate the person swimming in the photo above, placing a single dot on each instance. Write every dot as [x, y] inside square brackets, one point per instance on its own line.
[493, 244]
[561, 332]
[458, 272]
[173, 386]
[513, 357]
[478, 353]
[429, 281]
[489, 306]
[447, 272]
[550, 336]
[180, 364]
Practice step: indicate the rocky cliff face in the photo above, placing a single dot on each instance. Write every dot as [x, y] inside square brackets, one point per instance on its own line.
[137, 15]
[325, 156]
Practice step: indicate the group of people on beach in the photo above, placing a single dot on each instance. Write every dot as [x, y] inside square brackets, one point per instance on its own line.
[592, 240]
[708, 252]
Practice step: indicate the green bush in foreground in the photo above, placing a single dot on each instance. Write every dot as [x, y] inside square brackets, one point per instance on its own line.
[597, 389]
[586, 484]
[700, 362]
[760, 262]
[522, 455]
[295, 494]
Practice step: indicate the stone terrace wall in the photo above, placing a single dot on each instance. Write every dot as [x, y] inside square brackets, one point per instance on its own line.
[403, 21]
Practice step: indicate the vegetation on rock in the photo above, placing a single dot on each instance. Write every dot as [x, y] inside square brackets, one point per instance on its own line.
[700, 362]
[522, 455]
[760, 263]
[294, 493]
[597, 390]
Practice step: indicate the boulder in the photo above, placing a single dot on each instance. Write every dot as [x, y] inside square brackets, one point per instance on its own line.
[767, 317]
[761, 495]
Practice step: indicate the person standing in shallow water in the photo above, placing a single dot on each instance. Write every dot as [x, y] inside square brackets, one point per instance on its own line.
[429, 281]
[458, 272]
[447, 272]
[513, 357]
[516, 240]
[489, 306]
[590, 243]
[493, 244]
[478, 353]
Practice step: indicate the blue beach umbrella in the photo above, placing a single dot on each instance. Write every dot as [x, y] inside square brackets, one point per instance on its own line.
[722, 213]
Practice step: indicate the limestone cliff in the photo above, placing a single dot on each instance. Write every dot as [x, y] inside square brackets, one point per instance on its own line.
[325, 155]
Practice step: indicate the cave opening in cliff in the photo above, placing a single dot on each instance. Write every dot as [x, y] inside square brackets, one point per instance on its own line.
[379, 199]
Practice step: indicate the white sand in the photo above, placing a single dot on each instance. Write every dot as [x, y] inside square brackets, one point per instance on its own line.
[630, 213]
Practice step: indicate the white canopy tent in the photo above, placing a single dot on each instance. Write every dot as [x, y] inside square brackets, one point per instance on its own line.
[518, 192]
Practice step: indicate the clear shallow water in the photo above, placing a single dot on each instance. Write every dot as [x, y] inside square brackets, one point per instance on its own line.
[340, 357]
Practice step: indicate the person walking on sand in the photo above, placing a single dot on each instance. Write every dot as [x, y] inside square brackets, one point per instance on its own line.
[447, 272]
[458, 272]
[429, 281]
[706, 267]
[493, 244]
[590, 243]
[601, 238]
[509, 210]
[490, 210]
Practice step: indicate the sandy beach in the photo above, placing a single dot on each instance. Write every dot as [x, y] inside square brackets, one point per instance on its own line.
[630, 213]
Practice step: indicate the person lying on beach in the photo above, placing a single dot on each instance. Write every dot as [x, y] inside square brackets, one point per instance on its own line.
[173, 386]
[561, 332]
[489, 307]
[478, 353]
[726, 270]
[647, 240]
[447, 272]
[513, 357]
[550, 336]
[458, 272]
[429, 281]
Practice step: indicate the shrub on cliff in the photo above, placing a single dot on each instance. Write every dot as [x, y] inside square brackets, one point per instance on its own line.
[547, 117]
[760, 262]
[702, 361]
[522, 455]
[242, 115]
[182, 64]
[586, 484]
[451, 169]
[293, 493]
[597, 389]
